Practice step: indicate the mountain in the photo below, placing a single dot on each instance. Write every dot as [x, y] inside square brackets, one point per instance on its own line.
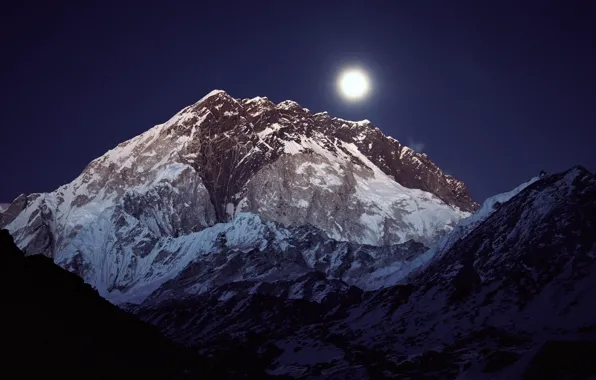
[156, 206]
[510, 298]
[271, 239]
[53, 324]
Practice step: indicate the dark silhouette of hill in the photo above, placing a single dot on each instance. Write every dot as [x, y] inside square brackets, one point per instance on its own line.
[55, 325]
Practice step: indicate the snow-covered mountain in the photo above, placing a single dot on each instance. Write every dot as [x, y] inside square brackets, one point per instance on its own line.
[321, 248]
[511, 298]
[253, 172]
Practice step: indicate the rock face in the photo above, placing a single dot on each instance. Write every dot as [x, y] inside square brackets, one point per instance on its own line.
[131, 220]
[510, 298]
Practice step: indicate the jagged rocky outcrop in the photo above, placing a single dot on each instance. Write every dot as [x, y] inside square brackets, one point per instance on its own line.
[222, 158]
[505, 301]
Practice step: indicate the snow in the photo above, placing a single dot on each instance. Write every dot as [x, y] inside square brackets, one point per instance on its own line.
[404, 151]
[88, 228]
[269, 130]
[200, 121]
[303, 203]
[488, 206]
[322, 174]
[4, 206]
[242, 205]
[424, 212]
[230, 210]
[210, 94]
[256, 99]
[171, 171]
[383, 198]
[393, 273]
[98, 245]
[292, 147]
[360, 123]
[397, 272]
[288, 104]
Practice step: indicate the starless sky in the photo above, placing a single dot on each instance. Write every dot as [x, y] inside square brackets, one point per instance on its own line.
[492, 91]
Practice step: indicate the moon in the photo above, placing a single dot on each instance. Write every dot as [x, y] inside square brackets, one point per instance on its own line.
[353, 84]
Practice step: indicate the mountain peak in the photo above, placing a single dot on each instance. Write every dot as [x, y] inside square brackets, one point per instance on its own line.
[216, 125]
[213, 93]
[288, 104]
[222, 156]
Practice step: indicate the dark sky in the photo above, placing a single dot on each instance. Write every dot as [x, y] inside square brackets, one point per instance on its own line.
[494, 92]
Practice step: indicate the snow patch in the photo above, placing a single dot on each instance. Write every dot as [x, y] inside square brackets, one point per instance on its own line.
[269, 130]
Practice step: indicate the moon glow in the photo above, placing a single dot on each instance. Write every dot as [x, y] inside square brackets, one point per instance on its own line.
[353, 84]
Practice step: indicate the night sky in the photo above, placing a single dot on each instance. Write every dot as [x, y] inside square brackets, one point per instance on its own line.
[493, 94]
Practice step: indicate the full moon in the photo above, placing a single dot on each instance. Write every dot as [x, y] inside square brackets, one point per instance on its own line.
[353, 84]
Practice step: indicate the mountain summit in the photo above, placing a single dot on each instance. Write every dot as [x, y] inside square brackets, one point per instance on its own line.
[238, 161]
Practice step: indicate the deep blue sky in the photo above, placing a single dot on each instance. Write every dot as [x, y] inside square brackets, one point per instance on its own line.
[494, 92]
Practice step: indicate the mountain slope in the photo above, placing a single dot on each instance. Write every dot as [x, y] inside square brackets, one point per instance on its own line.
[218, 159]
[246, 248]
[513, 291]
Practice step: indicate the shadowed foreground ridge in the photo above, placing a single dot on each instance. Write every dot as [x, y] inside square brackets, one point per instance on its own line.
[53, 324]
